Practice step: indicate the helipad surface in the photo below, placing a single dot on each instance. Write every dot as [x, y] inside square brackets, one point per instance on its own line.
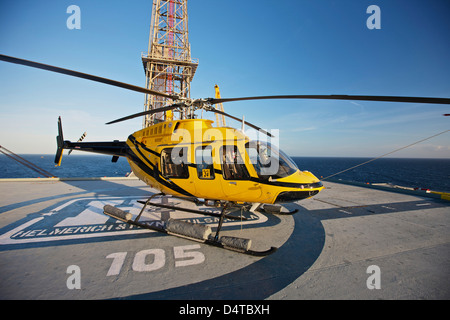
[347, 242]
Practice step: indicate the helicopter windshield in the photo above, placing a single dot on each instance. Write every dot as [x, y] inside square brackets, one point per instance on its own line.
[270, 161]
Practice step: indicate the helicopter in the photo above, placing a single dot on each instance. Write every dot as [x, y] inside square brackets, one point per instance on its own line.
[214, 166]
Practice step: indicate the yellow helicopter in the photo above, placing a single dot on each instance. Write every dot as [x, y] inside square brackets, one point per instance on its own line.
[217, 166]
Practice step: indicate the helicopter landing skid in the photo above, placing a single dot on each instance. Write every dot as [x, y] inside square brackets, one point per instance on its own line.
[191, 231]
[206, 213]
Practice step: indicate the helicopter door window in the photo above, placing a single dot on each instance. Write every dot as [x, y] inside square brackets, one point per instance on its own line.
[204, 162]
[174, 164]
[233, 166]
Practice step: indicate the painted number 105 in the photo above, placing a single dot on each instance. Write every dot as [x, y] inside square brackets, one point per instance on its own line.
[154, 259]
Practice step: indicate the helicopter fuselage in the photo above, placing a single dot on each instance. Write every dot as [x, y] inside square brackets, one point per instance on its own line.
[191, 158]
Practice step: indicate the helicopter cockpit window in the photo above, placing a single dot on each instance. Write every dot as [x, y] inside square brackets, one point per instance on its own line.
[204, 162]
[174, 163]
[233, 166]
[269, 161]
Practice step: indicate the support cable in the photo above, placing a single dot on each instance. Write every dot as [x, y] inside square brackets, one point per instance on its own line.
[386, 154]
[25, 162]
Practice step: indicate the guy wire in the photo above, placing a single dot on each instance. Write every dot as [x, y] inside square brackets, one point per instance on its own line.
[384, 155]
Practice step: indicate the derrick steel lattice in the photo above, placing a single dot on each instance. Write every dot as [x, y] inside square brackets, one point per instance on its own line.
[168, 65]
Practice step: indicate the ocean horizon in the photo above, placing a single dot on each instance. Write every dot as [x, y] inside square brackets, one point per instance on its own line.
[428, 173]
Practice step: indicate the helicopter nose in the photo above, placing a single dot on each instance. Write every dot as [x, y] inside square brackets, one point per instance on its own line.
[303, 192]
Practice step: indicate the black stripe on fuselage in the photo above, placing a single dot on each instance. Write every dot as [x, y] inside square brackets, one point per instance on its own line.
[171, 185]
[151, 169]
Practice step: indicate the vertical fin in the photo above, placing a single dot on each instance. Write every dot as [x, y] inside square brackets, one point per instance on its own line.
[60, 144]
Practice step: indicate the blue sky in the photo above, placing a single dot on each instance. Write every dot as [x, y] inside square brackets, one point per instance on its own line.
[248, 48]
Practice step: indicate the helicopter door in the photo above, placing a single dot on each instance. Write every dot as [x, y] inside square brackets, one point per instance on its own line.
[207, 184]
[237, 185]
[175, 169]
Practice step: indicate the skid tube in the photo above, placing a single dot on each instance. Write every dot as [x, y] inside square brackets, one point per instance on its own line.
[210, 240]
[212, 214]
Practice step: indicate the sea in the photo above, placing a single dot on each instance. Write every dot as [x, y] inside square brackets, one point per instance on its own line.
[433, 174]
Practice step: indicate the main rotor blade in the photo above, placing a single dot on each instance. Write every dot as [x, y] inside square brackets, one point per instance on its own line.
[245, 122]
[341, 97]
[143, 113]
[84, 76]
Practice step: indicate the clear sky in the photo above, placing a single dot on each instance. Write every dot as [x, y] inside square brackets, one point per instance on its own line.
[252, 47]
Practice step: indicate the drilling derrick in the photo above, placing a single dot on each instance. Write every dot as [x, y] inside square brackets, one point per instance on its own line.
[167, 64]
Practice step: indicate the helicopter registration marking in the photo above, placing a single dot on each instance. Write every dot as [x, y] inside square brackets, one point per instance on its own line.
[206, 173]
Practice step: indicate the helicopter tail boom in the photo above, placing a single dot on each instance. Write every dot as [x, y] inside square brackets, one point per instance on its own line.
[114, 148]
